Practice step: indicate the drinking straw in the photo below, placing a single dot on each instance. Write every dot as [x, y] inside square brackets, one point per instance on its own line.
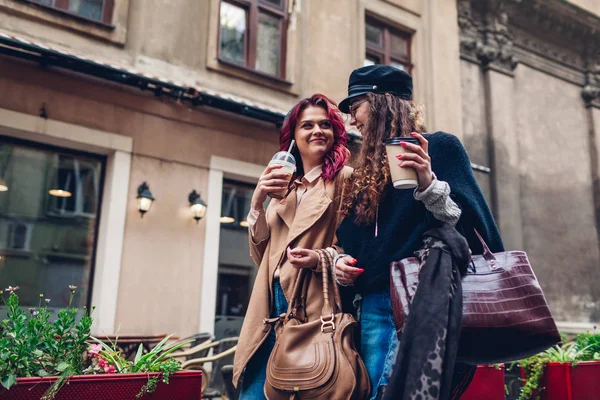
[291, 145]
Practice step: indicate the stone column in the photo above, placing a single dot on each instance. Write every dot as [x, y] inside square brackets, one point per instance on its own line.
[486, 40]
[591, 97]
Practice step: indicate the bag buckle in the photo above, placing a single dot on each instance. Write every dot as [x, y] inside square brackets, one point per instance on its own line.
[328, 323]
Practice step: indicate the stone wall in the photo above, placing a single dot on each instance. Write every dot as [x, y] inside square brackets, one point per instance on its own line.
[530, 92]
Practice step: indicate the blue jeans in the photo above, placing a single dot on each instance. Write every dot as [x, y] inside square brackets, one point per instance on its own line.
[256, 370]
[379, 342]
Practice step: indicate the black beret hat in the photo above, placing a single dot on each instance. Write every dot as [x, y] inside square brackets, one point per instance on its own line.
[377, 79]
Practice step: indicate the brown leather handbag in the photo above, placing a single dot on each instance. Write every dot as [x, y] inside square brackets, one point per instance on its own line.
[505, 314]
[316, 359]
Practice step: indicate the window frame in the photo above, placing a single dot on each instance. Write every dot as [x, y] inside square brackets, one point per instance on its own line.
[102, 181]
[108, 7]
[253, 8]
[384, 53]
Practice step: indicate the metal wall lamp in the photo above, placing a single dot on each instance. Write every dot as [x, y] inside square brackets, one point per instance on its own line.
[144, 199]
[197, 206]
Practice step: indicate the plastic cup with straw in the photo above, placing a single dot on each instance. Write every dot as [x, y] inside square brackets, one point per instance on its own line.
[288, 166]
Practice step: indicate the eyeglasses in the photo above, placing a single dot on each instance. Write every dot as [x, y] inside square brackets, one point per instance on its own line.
[354, 106]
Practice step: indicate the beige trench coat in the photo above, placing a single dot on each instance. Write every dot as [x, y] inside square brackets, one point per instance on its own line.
[311, 226]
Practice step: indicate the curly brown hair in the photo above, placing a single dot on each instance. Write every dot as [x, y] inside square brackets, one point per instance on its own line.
[389, 116]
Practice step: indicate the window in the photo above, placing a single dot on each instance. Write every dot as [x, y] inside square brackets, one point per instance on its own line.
[48, 242]
[236, 269]
[386, 45]
[79, 178]
[252, 35]
[93, 10]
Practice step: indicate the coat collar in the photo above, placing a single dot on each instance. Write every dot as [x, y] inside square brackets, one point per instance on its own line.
[314, 203]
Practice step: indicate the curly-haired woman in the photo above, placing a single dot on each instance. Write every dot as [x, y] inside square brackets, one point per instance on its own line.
[383, 224]
[281, 237]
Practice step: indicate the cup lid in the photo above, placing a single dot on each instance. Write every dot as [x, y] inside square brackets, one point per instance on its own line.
[397, 140]
[284, 157]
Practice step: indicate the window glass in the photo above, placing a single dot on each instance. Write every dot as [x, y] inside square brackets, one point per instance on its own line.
[398, 65]
[398, 45]
[371, 60]
[233, 33]
[90, 9]
[275, 3]
[47, 240]
[268, 44]
[386, 45]
[237, 271]
[373, 34]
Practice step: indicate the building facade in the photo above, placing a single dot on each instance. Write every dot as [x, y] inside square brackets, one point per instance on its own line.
[101, 96]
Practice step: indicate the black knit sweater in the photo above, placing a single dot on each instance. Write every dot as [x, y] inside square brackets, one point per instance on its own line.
[403, 220]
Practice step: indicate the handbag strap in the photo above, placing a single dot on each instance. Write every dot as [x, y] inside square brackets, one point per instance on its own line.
[329, 308]
[487, 253]
[336, 290]
[296, 293]
[300, 292]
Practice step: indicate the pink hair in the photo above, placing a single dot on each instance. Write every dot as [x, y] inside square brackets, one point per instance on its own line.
[337, 157]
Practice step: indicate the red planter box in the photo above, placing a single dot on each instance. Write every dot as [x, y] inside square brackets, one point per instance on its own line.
[488, 384]
[183, 385]
[566, 382]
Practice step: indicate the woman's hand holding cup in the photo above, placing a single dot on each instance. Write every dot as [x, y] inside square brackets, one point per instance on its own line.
[346, 271]
[418, 159]
[271, 180]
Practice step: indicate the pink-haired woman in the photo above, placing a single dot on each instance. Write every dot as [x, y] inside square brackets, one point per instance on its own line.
[282, 235]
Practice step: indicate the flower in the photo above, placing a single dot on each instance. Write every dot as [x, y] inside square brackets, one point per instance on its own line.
[110, 369]
[12, 289]
[102, 362]
[94, 349]
[47, 301]
[72, 287]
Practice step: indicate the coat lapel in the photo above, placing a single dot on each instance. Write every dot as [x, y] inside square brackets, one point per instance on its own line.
[311, 208]
[286, 208]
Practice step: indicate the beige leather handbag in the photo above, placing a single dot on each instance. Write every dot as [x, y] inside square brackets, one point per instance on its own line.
[316, 359]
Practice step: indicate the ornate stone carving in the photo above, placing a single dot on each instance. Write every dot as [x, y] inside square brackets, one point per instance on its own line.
[550, 35]
[485, 37]
[470, 43]
[591, 90]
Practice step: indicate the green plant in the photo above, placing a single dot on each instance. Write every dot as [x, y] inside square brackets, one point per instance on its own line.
[154, 361]
[33, 346]
[585, 347]
[591, 343]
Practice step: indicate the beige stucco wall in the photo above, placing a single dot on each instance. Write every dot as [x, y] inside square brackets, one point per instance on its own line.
[557, 204]
[593, 6]
[178, 40]
[162, 258]
[162, 252]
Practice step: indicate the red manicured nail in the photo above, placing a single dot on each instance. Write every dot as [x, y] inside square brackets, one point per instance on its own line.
[354, 261]
[399, 156]
[403, 144]
[414, 133]
[361, 270]
[400, 164]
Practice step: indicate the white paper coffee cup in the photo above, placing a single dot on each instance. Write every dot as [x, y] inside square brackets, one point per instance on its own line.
[402, 177]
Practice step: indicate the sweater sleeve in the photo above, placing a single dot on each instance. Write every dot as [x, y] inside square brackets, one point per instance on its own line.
[437, 200]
